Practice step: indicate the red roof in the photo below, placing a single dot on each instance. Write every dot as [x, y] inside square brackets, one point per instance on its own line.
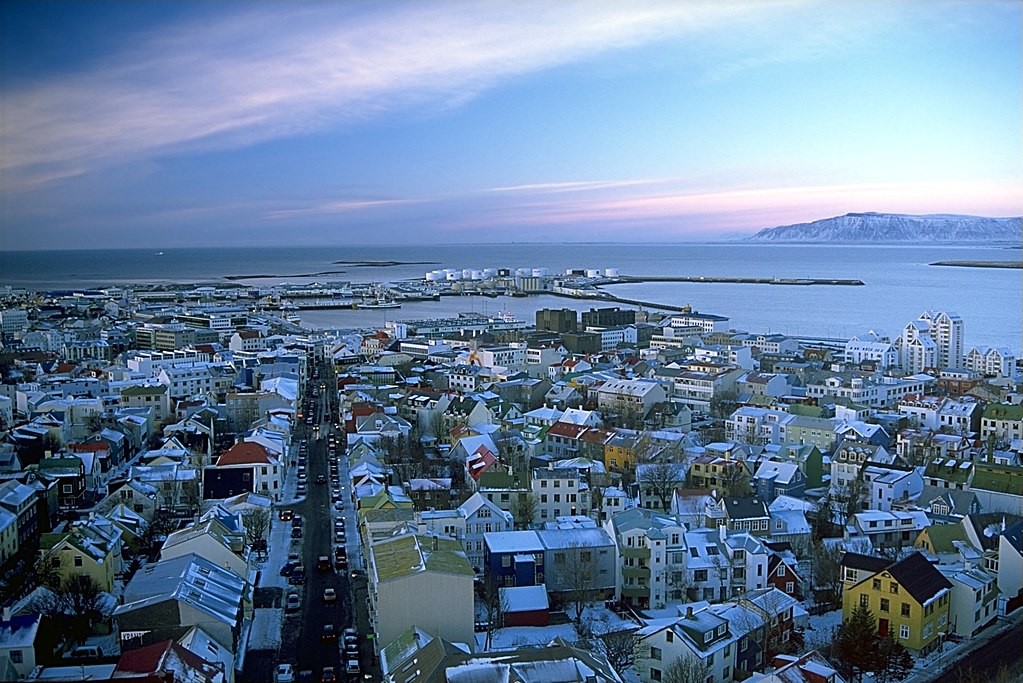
[479, 461]
[88, 447]
[566, 429]
[244, 453]
[152, 659]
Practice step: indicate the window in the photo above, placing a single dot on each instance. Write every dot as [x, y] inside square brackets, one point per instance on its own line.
[864, 601]
[655, 674]
[885, 605]
[789, 587]
[655, 653]
[893, 588]
[506, 561]
[876, 584]
[17, 656]
[904, 632]
[78, 560]
[743, 644]
[905, 609]
[780, 572]
[669, 636]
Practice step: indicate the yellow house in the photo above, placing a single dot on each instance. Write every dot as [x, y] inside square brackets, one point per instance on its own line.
[910, 599]
[92, 549]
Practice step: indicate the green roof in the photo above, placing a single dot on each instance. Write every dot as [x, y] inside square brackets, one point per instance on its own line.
[1000, 478]
[806, 411]
[411, 554]
[942, 536]
[1003, 411]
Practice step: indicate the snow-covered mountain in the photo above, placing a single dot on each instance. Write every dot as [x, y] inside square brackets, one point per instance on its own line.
[894, 227]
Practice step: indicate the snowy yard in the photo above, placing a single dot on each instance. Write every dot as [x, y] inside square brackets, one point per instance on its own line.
[822, 628]
[599, 619]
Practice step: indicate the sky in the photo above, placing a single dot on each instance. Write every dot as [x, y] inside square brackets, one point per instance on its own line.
[200, 123]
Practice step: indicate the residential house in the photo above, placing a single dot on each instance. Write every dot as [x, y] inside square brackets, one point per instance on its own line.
[19, 645]
[92, 547]
[559, 492]
[650, 557]
[774, 478]
[910, 599]
[420, 581]
[153, 396]
[810, 667]
[481, 517]
[578, 559]
[1010, 561]
[210, 539]
[245, 466]
[849, 458]
[699, 634]
[890, 484]
[974, 600]
[1001, 421]
[168, 598]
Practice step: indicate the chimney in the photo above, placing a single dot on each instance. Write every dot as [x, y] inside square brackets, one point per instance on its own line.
[7, 613]
[722, 532]
[689, 611]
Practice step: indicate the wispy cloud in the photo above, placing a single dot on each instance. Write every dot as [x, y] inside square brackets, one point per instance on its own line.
[274, 71]
[330, 208]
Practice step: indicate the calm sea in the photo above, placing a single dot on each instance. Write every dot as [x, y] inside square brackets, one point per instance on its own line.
[900, 283]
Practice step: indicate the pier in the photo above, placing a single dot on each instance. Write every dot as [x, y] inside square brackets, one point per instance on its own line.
[631, 279]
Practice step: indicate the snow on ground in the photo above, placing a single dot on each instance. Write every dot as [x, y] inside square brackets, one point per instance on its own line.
[599, 620]
[822, 628]
[265, 632]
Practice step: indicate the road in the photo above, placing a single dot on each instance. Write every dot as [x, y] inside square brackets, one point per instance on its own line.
[1004, 650]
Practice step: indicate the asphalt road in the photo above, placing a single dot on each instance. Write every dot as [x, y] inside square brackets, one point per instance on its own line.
[1004, 650]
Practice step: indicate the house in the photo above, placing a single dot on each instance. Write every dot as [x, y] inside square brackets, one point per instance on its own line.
[210, 539]
[887, 530]
[974, 599]
[910, 598]
[782, 571]
[481, 517]
[775, 478]
[578, 559]
[891, 484]
[748, 513]
[513, 558]
[1010, 561]
[168, 660]
[69, 473]
[810, 667]
[420, 581]
[429, 493]
[418, 657]
[699, 634]
[850, 457]
[525, 606]
[92, 547]
[947, 505]
[18, 643]
[153, 396]
[559, 492]
[650, 557]
[245, 466]
[166, 599]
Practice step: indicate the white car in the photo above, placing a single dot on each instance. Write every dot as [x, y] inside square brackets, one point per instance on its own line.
[284, 674]
[329, 595]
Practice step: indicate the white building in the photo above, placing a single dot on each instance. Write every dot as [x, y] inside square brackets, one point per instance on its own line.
[990, 361]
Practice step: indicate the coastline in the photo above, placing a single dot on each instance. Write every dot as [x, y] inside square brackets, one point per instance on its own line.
[979, 264]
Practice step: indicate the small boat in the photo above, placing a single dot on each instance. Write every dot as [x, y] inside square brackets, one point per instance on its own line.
[377, 303]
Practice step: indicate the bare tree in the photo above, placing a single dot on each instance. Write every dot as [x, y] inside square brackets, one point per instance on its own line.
[257, 523]
[660, 480]
[75, 605]
[494, 605]
[575, 570]
[686, 669]
[524, 509]
[619, 647]
[826, 567]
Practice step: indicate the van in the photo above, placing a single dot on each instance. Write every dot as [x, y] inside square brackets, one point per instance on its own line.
[86, 652]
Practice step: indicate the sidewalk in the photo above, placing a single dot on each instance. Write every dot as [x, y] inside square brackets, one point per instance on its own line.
[937, 663]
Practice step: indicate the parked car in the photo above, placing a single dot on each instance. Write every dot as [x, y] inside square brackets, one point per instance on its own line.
[284, 673]
[288, 568]
[323, 563]
[297, 577]
[328, 675]
[292, 603]
[328, 632]
[285, 515]
[329, 595]
[352, 667]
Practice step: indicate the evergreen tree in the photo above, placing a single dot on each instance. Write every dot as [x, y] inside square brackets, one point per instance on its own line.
[856, 643]
[896, 662]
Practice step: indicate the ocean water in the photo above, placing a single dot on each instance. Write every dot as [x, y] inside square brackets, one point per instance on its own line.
[899, 282]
